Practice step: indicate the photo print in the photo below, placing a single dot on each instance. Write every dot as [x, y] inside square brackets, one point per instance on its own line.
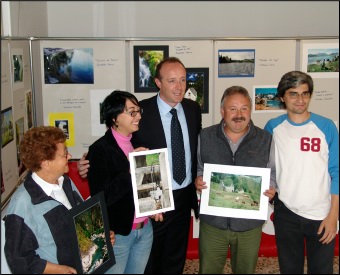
[198, 87]
[68, 66]
[146, 59]
[151, 182]
[236, 63]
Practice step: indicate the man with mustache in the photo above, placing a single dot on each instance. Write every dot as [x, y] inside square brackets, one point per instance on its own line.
[234, 141]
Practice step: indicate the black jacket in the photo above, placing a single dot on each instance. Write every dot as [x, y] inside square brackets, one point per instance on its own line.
[110, 172]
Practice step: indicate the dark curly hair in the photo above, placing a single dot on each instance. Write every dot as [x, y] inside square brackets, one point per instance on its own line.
[39, 144]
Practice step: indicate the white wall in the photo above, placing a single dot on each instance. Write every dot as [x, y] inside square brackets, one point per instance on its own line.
[174, 19]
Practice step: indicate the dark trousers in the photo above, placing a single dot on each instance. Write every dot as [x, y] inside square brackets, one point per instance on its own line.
[293, 235]
[170, 240]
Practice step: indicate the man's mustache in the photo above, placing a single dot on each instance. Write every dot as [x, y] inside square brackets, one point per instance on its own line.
[237, 119]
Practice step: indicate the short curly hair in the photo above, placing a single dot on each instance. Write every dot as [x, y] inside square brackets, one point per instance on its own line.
[39, 144]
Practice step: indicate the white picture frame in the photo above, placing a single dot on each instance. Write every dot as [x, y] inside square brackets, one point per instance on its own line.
[151, 182]
[238, 194]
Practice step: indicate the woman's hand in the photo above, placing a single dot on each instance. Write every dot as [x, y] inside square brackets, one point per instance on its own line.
[157, 217]
[200, 184]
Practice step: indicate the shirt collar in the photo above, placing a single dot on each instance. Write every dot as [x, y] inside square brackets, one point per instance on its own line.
[48, 187]
[164, 108]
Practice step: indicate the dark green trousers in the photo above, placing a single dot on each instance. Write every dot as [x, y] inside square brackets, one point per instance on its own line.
[213, 249]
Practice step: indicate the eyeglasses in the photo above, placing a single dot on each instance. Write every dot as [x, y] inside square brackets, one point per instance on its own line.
[296, 95]
[134, 113]
[65, 153]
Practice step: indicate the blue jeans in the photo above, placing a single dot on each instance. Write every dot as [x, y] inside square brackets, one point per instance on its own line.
[296, 235]
[132, 251]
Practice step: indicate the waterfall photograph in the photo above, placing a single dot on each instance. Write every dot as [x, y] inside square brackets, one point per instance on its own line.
[146, 59]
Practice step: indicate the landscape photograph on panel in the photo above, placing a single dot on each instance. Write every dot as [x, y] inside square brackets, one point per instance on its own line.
[321, 60]
[198, 87]
[266, 99]
[146, 59]
[151, 182]
[68, 66]
[7, 127]
[235, 191]
[236, 63]
[91, 236]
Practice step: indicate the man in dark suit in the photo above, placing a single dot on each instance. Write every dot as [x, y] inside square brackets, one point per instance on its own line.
[168, 253]
[171, 230]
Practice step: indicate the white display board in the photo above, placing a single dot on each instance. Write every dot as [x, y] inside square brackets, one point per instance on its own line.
[17, 114]
[75, 76]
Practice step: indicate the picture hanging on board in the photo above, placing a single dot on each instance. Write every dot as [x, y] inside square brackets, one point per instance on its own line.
[64, 121]
[146, 59]
[29, 110]
[19, 134]
[321, 60]
[18, 68]
[68, 66]
[198, 87]
[236, 63]
[7, 127]
[266, 99]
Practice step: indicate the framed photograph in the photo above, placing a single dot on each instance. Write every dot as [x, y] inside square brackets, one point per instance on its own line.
[151, 182]
[146, 59]
[235, 191]
[236, 63]
[198, 87]
[266, 99]
[7, 127]
[91, 236]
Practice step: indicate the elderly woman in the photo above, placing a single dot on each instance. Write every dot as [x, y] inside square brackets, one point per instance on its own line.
[37, 234]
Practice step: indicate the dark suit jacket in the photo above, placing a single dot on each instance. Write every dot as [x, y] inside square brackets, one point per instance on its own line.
[151, 133]
[110, 172]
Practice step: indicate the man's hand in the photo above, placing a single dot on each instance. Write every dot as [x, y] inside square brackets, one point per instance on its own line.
[270, 193]
[200, 184]
[83, 166]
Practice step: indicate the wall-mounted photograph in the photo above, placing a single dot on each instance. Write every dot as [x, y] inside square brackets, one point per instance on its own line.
[236, 63]
[91, 236]
[321, 60]
[64, 121]
[18, 68]
[19, 133]
[235, 191]
[29, 109]
[266, 99]
[68, 66]
[146, 59]
[7, 127]
[151, 182]
[198, 87]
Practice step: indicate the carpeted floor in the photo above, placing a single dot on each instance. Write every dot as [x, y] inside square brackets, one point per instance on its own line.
[264, 266]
